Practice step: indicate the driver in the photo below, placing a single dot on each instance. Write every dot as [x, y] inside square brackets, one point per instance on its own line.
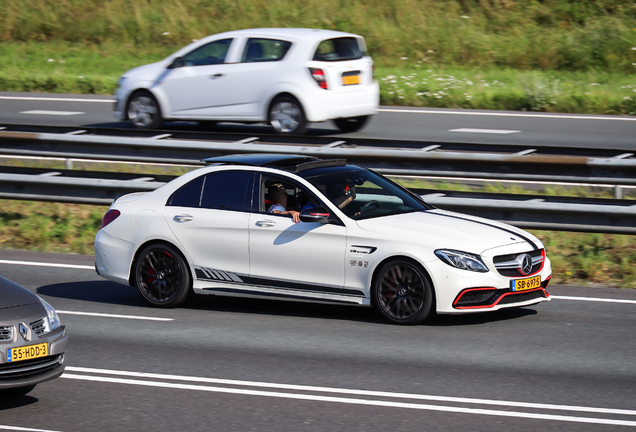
[278, 194]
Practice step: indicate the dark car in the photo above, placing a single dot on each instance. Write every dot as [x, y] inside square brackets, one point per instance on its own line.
[32, 340]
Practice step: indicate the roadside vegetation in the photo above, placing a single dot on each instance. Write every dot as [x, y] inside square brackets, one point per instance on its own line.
[533, 55]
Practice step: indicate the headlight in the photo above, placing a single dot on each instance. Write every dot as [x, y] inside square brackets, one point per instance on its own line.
[52, 320]
[462, 260]
[120, 81]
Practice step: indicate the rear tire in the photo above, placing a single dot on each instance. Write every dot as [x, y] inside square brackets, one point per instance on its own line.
[143, 110]
[351, 124]
[162, 276]
[402, 292]
[286, 116]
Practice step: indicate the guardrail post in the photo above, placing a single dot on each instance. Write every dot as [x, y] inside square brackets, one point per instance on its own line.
[69, 164]
[618, 192]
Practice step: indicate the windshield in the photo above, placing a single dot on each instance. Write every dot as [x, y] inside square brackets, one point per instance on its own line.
[363, 194]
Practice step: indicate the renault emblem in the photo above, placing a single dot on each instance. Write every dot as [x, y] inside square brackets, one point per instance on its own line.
[526, 264]
[25, 331]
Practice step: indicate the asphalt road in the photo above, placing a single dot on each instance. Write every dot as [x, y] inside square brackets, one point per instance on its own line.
[421, 124]
[236, 364]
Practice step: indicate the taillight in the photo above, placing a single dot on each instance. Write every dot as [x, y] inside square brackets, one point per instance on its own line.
[320, 78]
[110, 216]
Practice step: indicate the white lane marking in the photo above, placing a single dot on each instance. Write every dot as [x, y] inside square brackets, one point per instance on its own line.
[353, 392]
[18, 428]
[506, 114]
[592, 299]
[485, 131]
[354, 401]
[54, 99]
[44, 264]
[103, 315]
[55, 113]
[414, 111]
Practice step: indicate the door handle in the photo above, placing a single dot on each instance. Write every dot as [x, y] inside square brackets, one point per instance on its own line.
[266, 223]
[215, 76]
[183, 218]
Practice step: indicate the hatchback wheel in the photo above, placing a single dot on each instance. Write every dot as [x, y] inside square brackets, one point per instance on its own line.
[286, 116]
[162, 276]
[402, 293]
[143, 111]
[351, 124]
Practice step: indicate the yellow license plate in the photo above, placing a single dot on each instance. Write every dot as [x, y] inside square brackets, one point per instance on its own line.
[350, 80]
[526, 284]
[28, 352]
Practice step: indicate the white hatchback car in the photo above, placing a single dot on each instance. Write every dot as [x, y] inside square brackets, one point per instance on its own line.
[229, 229]
[285, 77]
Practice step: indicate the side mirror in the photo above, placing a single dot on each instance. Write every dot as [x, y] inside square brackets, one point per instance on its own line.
[176, 63]
[315, 214]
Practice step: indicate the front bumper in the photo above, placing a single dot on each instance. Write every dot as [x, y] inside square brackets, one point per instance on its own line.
[38, 370]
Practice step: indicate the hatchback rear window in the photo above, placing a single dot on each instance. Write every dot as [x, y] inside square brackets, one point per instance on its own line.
[339, 49]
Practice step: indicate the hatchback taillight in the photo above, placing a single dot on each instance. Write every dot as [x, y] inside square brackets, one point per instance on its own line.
[320, 78]
[110, 216]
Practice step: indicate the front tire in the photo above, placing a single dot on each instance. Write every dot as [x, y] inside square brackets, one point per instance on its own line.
[162, 276]
[351, 124]
[402, 292]
[286, 116]
[143, 110]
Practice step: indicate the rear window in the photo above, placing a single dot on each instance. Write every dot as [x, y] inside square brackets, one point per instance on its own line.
[339, 49]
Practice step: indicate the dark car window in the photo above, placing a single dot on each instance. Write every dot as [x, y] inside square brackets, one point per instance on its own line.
[208, 54]
[188, 195]
[228, 190]
[338, 49]
[264, 50]
[363, 194]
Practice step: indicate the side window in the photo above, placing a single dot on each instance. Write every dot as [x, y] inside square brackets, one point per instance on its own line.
[264, 50]
[278, 191]
[208, 54]
[228, 190]
[338, 49]
[188, 195]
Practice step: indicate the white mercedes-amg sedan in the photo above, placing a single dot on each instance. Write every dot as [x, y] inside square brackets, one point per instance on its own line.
[305, 229]
[283, 77]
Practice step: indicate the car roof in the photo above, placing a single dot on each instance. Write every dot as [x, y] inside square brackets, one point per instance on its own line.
[295, 33]
[287, 162]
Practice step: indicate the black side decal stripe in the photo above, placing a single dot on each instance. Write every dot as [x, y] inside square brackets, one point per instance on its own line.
[534, 246]
[286, 296]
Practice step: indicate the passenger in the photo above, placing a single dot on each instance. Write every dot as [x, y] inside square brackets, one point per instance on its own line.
[278, 195]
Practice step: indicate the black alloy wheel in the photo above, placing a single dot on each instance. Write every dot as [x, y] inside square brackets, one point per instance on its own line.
[402, 293]
[143, 110]
[286, 116]
[351, 124]
[162, 276]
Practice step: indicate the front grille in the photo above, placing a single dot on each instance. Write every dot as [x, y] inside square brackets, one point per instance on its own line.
[28, 368]
[6, 333]
[38, 326]
[523, 297]
[506, 267]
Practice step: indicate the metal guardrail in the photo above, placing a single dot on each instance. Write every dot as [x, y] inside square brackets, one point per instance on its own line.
[526, 211]
[394, 158]
[594, 166]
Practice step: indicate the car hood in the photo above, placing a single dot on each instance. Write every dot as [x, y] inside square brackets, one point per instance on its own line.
[12, 294]
[443, 229]
[146, 71]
